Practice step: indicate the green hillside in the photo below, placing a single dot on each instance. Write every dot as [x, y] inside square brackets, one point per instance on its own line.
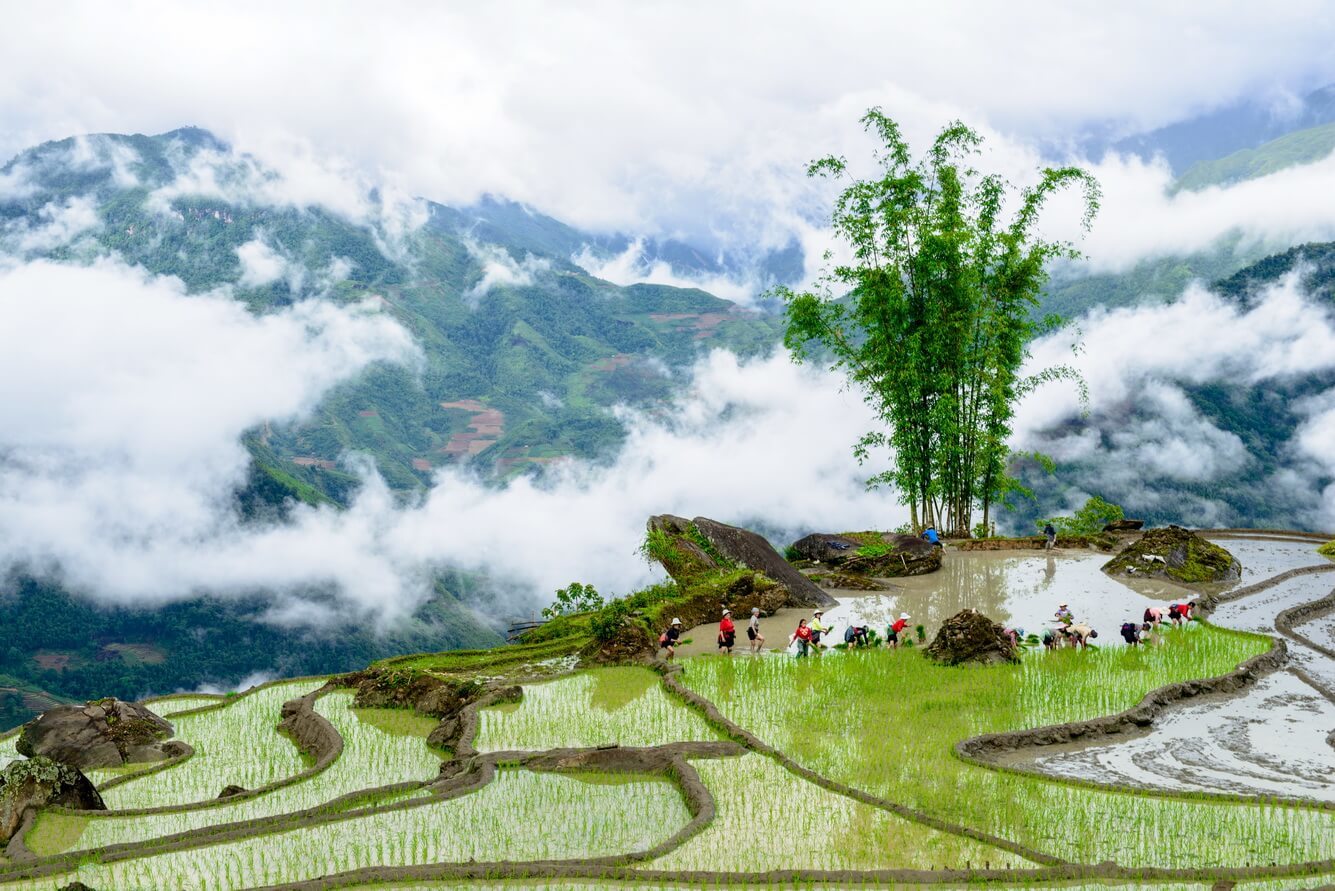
[1289, 150]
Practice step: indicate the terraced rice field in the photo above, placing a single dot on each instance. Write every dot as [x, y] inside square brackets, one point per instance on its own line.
[380, 747]
[622, 705]
[239, 744]
[819, 828]
[510, 818]
[886, 724]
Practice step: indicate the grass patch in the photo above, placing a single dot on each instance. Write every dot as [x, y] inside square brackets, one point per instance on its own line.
[886, 722]
[1327, 550]
[380, 747]
[770, 819]
[520, 815]
[625, 705]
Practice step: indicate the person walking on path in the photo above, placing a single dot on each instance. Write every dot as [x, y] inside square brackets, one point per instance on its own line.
[802, 637]
[1051, 533]
[896, 628]
[668, 639]
[727, 633]
[818, 627]
[753, 631]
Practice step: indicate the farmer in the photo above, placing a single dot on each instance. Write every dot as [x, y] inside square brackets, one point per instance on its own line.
[1051, 533]
[1153, 616]
[668, 639]
[1131, 633]
[727, 633]
[802, 636]
[896, 628]
[818, 627]
[930, 534]
[1080, 634]
[856, 635]
[1064, 615]
[1049, 639]
[753, 631]
[1180, 613]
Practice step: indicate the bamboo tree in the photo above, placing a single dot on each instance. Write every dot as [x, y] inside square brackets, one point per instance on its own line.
[931, 318]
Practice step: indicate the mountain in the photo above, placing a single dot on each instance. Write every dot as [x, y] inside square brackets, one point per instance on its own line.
[526, 354]
[1245, 124]
[1289, 150]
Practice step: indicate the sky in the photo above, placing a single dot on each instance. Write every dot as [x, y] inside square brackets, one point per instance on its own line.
[690, 120]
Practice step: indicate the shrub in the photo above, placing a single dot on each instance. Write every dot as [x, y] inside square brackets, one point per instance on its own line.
[608, 621]
[1088, 520]
[791, 555]
[574, 598]
[1327, 550]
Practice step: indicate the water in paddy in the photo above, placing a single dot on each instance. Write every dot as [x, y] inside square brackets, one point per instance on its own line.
[1269, 741]
[1018, 589]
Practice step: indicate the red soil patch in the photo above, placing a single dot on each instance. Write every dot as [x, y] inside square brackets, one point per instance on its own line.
[484, 429]
[612, 363]
[51, 660]
[146, 653]
[421, 464]
[309, 461]
[368, 413]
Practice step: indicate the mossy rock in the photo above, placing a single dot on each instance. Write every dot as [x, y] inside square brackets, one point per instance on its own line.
[1177, 554]
[38, 782]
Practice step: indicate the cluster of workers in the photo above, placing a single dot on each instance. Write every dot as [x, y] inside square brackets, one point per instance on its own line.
[806, 638]
[809, 632]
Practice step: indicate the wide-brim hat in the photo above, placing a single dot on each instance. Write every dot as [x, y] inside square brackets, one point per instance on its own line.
[676, 621]
[903, 615]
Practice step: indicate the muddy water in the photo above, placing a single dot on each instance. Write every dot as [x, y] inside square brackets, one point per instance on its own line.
[1018, 589]
[1262, 558]
[1269, 741]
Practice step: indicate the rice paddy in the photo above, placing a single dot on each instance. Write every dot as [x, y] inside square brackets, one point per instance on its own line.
[239, 744]
[769, 818]
[883, 722]
[511, 818]
[886, 723]
[380, 747]
[624, 705]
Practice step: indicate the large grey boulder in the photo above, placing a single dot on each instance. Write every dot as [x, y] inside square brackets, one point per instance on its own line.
[872, 554]
[37, 783]
[102, 733]
[700, 546]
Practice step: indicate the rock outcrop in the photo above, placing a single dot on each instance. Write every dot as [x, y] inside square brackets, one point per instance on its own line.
[871, 554]
[1177, 554]
[970, 636]
[102, 733]
[690, 549]
[38, 782]
[1124, 526]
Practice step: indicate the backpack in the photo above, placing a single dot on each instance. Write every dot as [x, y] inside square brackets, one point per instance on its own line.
[662, 639]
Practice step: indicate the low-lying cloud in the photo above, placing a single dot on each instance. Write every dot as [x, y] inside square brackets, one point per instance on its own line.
[126, 400]
[1140, 436]
[500, 268]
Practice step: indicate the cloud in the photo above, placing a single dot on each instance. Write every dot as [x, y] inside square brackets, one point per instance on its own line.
[499, 268]
[1143, 439]
[615, 132]
[631, 266]
[260, 264]
[125, 400]
[60, 225]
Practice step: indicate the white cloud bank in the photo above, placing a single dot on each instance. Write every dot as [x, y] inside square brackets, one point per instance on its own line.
[125, 400]
[1143, 429]
[499, 268]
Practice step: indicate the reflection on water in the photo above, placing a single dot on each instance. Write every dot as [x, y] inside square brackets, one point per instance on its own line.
[1263, 557]
[1269, 741]
[1019, 590]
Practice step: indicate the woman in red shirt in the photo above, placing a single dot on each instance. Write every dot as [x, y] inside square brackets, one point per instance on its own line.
[803, 637]
[727, 633]
[895, 629]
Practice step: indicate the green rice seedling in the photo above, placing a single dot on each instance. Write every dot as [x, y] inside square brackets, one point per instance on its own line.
[518, 816]
[236, 744]
[166, 706]
[380, 747]
[887, 723]
[604, 705]
[769, 818]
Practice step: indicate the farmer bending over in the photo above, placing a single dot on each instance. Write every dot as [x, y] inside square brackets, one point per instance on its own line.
[896, 628]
